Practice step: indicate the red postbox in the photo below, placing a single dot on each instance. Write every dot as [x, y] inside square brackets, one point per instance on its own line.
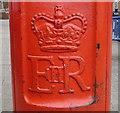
[61, 55]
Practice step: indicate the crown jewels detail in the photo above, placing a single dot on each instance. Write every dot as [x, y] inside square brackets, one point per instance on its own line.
[56, 33]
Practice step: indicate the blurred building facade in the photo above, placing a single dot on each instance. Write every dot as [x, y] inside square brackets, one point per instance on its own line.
[4, 10]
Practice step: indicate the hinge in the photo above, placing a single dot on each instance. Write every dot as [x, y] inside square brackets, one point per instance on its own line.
[98, 48]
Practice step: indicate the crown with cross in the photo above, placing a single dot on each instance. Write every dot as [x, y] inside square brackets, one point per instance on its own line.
[58, 33]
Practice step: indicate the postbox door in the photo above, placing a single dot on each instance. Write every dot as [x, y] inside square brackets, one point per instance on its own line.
[60, 55]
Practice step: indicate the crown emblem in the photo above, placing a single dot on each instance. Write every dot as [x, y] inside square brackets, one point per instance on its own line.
[58, 33]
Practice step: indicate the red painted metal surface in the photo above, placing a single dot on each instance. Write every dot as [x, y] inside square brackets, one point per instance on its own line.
[61, 56]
